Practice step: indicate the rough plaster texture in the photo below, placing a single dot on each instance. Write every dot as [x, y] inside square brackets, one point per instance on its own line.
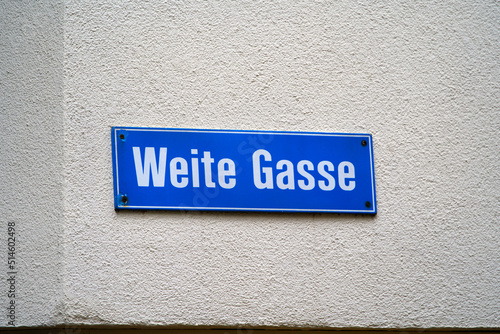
[422, 77]
[31, 156]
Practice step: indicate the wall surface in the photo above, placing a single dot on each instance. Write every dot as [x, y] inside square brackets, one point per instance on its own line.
[31, 159]
[421, 77]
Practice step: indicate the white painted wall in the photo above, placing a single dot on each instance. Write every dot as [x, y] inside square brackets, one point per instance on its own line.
[421, 77]
[31, 157]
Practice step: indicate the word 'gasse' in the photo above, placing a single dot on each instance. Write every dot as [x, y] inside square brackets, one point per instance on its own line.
[263, 176]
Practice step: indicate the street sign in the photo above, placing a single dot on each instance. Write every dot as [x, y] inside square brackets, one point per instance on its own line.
[230, 170]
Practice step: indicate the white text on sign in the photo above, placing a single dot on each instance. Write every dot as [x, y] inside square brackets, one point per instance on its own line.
[305, 175]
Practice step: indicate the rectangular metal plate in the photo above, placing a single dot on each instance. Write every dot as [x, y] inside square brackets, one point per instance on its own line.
[230, 170]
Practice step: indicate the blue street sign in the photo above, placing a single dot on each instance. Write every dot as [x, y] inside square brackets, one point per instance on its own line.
[229, 170]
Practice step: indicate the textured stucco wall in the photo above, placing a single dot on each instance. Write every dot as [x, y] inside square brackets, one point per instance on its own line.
[31, 157]
[422, 77]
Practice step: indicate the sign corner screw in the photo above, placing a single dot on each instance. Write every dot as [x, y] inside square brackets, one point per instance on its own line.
[124, 199]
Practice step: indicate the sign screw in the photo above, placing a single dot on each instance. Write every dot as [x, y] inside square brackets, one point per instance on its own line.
[124, 199]
[363, 142]
[122, 136]
[368, 204]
